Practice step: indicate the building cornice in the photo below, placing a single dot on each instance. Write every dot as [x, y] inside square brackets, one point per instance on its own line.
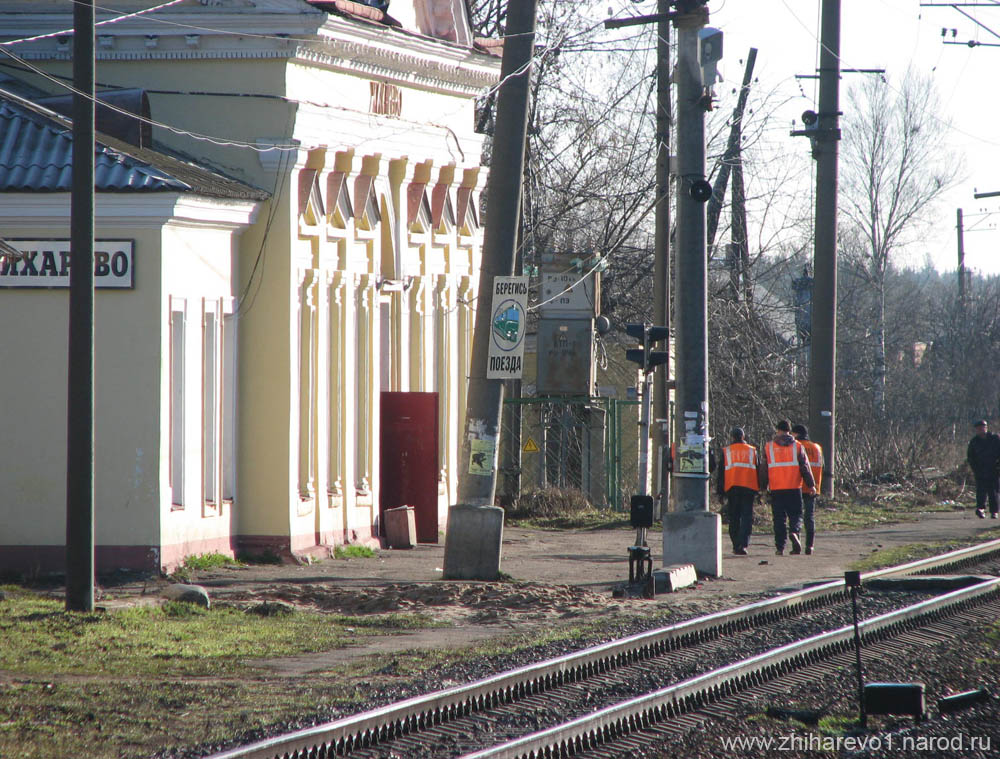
[311, 39]
[130, 210]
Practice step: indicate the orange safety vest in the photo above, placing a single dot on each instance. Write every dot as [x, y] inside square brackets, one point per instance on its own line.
[741, 466]
[783, 466]
[814, 452]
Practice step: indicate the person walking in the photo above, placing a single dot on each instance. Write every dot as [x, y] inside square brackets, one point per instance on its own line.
[737, 485]
[984, 459]
[814, 453]
[787, 472]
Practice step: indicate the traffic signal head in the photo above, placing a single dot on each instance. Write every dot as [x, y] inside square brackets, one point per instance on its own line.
[638, 331]
[638, 355]
[658, 333]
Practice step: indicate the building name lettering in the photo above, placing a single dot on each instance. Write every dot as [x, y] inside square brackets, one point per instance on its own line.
[47, 263]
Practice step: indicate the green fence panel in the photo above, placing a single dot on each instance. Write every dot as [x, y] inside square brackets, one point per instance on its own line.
[586, 444]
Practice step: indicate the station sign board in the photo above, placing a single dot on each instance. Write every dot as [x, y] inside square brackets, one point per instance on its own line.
[46, 263]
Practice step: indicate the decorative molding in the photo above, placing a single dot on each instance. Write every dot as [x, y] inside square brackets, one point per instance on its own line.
[307, 278]
[132, 210]
[336, 281]
[419, 296]
[377, 52]
[444, 291]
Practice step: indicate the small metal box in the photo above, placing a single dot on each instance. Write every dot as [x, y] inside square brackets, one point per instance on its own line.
[895, 698]
[642, 511]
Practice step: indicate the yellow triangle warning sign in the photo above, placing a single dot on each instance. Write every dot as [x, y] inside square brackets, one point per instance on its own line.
[530, 446]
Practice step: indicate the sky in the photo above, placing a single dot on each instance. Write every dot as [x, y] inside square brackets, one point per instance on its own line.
[890, 34]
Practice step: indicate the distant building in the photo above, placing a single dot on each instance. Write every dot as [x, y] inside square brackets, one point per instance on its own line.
[316, 245]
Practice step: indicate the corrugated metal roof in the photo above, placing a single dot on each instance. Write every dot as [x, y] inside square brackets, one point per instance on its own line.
[36, 153]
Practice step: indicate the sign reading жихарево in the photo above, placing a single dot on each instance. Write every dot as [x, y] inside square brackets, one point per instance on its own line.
[46, 264]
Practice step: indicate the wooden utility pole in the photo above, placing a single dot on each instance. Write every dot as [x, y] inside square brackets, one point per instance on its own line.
[733, 152]
[825, 142]
[960, 228]
[80, 398]
[661, 249]
[475, 525]
[661, 239]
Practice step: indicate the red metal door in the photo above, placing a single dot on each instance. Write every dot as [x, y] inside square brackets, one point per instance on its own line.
[409, 466]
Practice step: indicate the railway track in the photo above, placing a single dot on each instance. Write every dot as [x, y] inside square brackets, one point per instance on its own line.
[588, 698]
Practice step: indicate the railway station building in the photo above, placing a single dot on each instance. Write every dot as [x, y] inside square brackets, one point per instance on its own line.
[294, 223]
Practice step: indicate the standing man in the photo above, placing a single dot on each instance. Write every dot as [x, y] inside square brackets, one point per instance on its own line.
[787, 475]
[738, 484]
[984, 457]
[814, 453]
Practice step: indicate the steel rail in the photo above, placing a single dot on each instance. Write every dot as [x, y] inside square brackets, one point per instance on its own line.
[625, 717]
[412, 714]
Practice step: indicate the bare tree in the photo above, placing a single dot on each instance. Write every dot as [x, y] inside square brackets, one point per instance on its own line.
[895, 165]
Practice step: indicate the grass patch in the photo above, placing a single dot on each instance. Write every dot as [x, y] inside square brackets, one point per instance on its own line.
[560, 509]
[914, 551]
[210, 561]
[860, 512]
[353, 552]
[131, 682]
[838, 724]
[591, 519]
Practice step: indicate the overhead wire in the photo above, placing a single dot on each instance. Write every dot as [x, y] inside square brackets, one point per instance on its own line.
[841, 60]
[229, 142]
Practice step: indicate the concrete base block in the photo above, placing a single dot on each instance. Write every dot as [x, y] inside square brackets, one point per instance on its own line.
[693, 537]
[472, 545]
[674, 577]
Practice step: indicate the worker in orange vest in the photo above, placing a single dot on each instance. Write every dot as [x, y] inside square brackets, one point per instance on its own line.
[787, 474]
[738, 484]
[814, 452]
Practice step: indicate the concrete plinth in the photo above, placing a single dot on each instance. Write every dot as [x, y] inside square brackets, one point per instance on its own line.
[693, 537]
[674, 577]
[472, 545]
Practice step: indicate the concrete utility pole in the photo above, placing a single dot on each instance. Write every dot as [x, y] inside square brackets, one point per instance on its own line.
[825, 143]
[80, 392]
[692, 534]
[475, 525]
[661, 247]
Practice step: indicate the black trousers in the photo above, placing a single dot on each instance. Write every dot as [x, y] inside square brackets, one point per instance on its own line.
[786, 505]
[986, 491]
[740, 512]
[808, 518]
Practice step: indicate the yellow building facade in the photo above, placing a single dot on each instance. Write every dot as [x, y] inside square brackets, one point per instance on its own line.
[356, 278]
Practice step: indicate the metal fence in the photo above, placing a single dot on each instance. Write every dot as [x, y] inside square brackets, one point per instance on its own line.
[588, 444]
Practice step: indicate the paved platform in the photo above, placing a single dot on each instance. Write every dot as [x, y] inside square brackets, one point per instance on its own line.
[598, 559]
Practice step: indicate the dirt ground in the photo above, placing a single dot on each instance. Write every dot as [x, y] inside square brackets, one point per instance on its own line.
[558, 577]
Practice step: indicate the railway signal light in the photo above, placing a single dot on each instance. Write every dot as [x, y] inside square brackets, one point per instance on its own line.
[645, 357]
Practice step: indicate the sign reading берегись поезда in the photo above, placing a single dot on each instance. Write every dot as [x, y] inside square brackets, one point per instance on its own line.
[508, 323]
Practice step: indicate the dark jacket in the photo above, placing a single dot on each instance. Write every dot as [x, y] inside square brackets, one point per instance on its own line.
[984, 455]
[804, 470]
